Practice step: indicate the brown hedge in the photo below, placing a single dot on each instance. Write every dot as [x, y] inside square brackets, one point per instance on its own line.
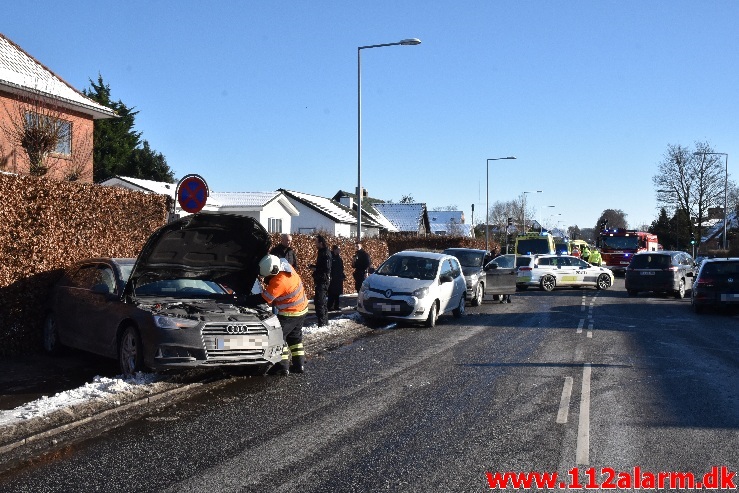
[46, 225]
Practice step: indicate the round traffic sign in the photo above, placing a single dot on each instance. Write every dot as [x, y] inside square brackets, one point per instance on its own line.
[192, 192]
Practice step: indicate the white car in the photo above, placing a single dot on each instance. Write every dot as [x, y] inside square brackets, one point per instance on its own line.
[551, 271]
[414, 286]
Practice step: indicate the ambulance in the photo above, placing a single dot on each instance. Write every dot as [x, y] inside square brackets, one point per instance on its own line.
[535, 243]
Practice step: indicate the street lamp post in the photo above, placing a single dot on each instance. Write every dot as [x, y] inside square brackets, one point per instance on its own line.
[726, 183]
[524, 207]
[541, 226]
[405, 42]
[487, 197]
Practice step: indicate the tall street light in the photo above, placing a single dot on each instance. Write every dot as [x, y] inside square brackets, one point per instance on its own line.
[726, 182]
[487, 197]
[405, 42]
[524, 207]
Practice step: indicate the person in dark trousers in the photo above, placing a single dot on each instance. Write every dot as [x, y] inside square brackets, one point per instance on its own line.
[285, 250]
[321, 277]
[361, 263]
[336, 285]
[284, 291]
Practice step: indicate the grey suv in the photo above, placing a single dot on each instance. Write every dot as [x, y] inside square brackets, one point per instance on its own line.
[660, 272]
[472, 261]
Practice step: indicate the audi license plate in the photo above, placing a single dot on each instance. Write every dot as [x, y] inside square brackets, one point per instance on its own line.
[242, 342]
[647, 273]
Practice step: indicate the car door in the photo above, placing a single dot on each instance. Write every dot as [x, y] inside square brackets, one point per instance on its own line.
[567, 273]
[446, 289]
[91, 312]
[500, 277]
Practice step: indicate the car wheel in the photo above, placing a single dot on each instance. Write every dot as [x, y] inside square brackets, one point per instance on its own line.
[477, 299]
[632, 292]
[548, 283]
[604, 281]
[130, 352]
[51, 335]
[431, 320]
[680, 293]
[459, 311]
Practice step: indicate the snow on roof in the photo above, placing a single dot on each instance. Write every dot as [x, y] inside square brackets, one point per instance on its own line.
[329, 208]
[405, 217]
[20, 72]
[732, 222]
[152, 186]
[445, 217]
[241, 199]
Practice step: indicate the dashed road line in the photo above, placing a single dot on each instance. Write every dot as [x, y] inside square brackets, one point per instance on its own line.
[582, 453]
[564, 401]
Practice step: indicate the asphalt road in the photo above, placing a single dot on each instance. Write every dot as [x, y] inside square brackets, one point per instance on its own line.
[548, 383]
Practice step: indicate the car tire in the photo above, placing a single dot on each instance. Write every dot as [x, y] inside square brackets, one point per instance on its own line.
[632, 292]
[680, 293]
[604, 281]
[51, 336]
[479, 293]
[130, 352]
[459, 311]
[548, 283]
[433, 315]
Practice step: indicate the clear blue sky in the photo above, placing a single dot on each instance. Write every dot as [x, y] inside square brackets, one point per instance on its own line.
[260, 95]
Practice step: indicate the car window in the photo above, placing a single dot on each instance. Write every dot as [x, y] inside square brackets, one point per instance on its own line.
[410, 267]
[446, 269]
[579, 263]
[503, 262]
[546, 261]
[720, 269]
[651, 261]
[456, 269]
[92, 275]
[179, 288]
[523, 261]
[469, 259]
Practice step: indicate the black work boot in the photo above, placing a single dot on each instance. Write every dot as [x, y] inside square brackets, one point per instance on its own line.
[298, 365]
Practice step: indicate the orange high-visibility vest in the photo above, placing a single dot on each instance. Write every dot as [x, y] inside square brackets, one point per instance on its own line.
[285, 292]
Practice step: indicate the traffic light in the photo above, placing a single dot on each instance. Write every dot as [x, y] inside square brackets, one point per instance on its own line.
[692, 239]
[510, 221]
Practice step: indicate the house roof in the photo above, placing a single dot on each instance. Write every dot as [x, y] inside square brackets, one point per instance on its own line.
[20, 73]
[368, 209]
[331, 209]
[441, 221]
[715, 231]
[254, 201]
[405, 217]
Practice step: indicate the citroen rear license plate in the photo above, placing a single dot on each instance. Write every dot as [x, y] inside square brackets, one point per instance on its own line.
[647, 273]
[242, 342]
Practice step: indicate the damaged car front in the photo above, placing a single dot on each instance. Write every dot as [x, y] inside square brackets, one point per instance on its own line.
[177, 305]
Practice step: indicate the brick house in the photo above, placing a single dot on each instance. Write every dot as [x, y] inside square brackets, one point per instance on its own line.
[30, 91]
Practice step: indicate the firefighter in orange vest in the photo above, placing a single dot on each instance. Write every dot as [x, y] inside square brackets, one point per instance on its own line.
[284, 291]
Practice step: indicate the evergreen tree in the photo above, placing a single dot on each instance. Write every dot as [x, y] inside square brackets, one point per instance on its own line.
[118, 147]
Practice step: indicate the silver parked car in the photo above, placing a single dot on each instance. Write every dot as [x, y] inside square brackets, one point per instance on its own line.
[174, 306]
[414, 286]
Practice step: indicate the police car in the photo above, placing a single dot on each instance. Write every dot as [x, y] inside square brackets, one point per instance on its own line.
[552, 271]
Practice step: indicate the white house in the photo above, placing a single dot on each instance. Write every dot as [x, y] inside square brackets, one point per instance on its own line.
[272, 209]
[321, 214]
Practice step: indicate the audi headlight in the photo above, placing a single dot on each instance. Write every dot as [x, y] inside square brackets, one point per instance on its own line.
[420, 292]
[174, 323]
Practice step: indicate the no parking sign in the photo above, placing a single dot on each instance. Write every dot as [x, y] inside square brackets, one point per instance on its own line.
[192, 193]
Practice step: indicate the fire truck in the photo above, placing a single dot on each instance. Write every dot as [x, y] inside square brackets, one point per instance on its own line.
[618, 246]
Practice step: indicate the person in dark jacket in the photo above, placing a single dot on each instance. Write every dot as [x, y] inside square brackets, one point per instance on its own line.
[285, 250]
[321, 277]
[336, 285]
[361, 263]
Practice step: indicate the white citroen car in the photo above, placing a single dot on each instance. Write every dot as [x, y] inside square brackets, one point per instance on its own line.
[414, 286]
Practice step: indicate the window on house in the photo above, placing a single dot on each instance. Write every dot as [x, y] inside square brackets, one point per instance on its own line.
[49, 126]
[274, 225]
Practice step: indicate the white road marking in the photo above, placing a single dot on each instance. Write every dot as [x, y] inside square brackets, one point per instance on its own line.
[564, 401]
[583, 428]
[579, 325]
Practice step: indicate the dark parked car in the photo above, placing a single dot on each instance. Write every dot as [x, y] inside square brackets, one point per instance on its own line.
[174, 306]
[661, 272]
[716, 284]
[472, 261]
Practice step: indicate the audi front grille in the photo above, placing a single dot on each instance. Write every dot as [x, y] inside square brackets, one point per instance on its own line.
[237, 341]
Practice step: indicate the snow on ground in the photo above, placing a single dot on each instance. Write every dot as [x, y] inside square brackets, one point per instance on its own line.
[106, 388]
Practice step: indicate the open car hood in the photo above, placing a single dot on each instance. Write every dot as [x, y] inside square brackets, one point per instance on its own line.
[224, 248]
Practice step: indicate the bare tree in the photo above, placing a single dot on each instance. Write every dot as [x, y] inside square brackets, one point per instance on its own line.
[446, 208]
[36, 123]
[691, 180]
